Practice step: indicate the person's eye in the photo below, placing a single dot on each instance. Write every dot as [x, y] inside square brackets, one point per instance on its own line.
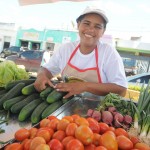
[99, 27]
[86, 23]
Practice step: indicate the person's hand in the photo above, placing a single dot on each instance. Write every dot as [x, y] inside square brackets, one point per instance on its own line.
[42, 82]
[71, 88]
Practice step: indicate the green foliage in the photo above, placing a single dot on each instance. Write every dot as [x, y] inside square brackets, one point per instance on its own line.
[10, 72]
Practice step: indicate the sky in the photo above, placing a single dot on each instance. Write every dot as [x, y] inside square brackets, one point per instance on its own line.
[126, 17]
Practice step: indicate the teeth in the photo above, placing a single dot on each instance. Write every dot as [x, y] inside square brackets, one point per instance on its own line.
[87, 35]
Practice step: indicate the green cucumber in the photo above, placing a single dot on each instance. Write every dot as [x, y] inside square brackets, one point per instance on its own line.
[55, 96]
[3, 92]
[29, 89]
[11, 84]
[9, 103]
[15, 91]
[46, 92]
[16, 108]
[36, 114]
[51, 108]
[27, 110]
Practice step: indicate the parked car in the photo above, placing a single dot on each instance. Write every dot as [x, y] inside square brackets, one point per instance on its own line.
[130, 66]
[139, 78]
[10, 51]
[30, 59]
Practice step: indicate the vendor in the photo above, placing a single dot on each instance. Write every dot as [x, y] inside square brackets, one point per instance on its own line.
[89, 59]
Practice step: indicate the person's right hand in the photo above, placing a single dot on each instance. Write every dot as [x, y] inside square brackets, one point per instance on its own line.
[42, 82]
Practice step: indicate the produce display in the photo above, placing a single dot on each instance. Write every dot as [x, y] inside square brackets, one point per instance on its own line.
[111, 123]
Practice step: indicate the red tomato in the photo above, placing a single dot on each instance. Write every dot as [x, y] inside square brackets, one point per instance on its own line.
[81, 121]
[55, 144]
[84, 134]
[33, 132]
[75, 116]
[14, 146]
[51, 131]
[74, 144]
[103, 127]
[70, 130]
[66, 140]
[134, 139]
[111, 129]
[43, 147]
[22, 134]
[121, 131]
[59, 135]
[51, 117]
[69, 118]
[53, 124]
[93, 124]
[142, 146]
[62, 124]
[27, 144]
[45, 134]
[90, 147]
[44, 122]
[109, 141]
[124, 143]
[96, 138]
[100, 148]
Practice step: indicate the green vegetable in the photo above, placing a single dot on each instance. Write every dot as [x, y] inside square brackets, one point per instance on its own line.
[10, 72]
[16, 108]
[29, 89]
[51, 108]
[36, 114]
[46, 92]
[15, 91]
[55, 96]
[27, 110]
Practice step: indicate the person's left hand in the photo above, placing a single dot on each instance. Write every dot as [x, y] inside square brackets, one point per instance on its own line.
[71, 88]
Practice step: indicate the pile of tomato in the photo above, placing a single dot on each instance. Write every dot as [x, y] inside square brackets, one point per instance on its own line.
[74, 133]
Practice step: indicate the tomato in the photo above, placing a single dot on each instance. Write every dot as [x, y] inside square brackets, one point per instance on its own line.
[33, 132]
[109, 141]
[103, 127]
[142, 146]
[100, 148]
[62, 124]
[66, 140]
[51, 131]
[111, 129]
[22, 134]
[74, 144]
[26, 145]
[59, 135]
[96, 138]
[42, 147]
[14, 146]
[81, 121]
[51, 117]
[84, 134]
[121, 131]
[90, 147]
[70, 130]
[69, 118]
[53, 124]
[55, 144]
[134, 139]
[124, 143]
[36, 141]
[93, 124]
[45, 134]
[44, 122]
[75, 116]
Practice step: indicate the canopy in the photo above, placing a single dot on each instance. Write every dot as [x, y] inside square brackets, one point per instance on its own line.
[32, 2]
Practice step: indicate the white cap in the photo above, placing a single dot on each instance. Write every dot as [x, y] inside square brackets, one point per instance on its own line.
[95, 10]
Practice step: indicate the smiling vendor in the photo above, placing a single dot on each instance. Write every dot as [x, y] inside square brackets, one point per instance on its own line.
[97, 63]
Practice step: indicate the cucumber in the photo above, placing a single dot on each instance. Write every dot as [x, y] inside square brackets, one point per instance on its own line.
[10, 85]
[46, 92]
[55, 96]
[2, 88]
[2, 95]
[3, 92]
[36, 114]
[16, 108]
[51, 108]
[27, 110]
[15, 91]
[9, 103]
[65, 100]
[29, 89]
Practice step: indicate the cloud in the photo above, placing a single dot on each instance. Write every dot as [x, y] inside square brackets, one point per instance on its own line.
[144, 7]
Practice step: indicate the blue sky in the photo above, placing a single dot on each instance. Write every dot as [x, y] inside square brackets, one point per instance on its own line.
[124, 15]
